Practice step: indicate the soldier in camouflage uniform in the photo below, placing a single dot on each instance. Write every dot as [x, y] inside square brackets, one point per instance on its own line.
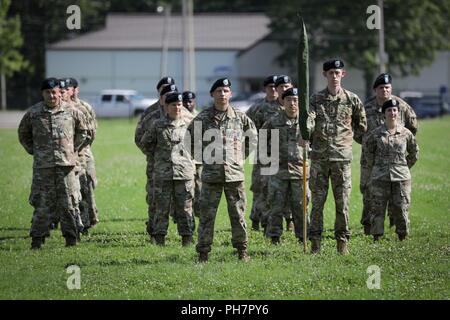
[337, 114]
[139, 133]
[406, 117]
[53, 132]
[390, 151]
[142, 126]
[260, 115]
[259, 112]
[86, 173]
[190, 104]
[173, 170]
[223, 166]
[286, 186]
[146, 124]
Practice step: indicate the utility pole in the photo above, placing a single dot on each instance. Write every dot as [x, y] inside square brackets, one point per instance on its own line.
[188, 45]
[383, 58]
[3, 93]
[165, 40]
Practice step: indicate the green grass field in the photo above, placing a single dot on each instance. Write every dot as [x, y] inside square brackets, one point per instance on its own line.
[117, 260]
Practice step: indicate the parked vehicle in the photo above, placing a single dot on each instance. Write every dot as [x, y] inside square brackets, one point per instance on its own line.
[424, 105]
[116, 103]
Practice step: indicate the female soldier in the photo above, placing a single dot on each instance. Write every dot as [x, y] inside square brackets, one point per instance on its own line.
[391, 150]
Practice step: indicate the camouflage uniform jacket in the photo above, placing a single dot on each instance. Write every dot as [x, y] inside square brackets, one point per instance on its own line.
[153, 116]
[389, 156]
[53, 138]
[336, 119]
[229, 128]
[290, 152]
[262, 110]
[165, 140]
[141, 123]
[89, 113]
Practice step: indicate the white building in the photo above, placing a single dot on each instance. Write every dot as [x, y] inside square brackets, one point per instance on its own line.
[126, 54]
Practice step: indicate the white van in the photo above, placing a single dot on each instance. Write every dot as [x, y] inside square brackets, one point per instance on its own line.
[117, 103]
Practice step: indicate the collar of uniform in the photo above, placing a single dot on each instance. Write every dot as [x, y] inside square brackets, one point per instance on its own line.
[57, 109]
[290, 121]
[398, 128]
[229, 113]
[371, 103]
[174, 122]
[328, 96]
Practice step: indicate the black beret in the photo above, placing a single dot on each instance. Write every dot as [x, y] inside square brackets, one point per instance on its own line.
[333, 64]
[63, 84]
[163, 81]
[290, 92]
[71, 82]
[171, 88]
[50, 83]
[384, 78]
[222, 82]
[188, 95]
[389, 104]
[174, 97]
[282, 79]
[270, 80]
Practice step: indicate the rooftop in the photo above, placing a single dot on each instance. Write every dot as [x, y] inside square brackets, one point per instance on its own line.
[144, 31]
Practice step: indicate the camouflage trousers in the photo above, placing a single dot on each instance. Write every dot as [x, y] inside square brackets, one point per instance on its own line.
[341, 182]
[88, 182]
[263, 206]
[236, 203]
[198, 188]
[55, 195]
[256, 188]
[365, 191]
[179, 193]
[150, 196]
[398, 194]
[284, 193]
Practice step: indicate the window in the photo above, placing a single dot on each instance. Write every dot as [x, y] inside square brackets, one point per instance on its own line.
[120, 98]
[106, 98]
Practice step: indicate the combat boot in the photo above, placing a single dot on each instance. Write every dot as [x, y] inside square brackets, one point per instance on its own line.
[203, 257]
[367, 229]
[342, 247]
[315, 246]
[255, 225]
[186, 241]
[243, 255]
[71, 241]
[36, 243]
[275, 240]
[401, 237]
[376, 237]
[160, 240]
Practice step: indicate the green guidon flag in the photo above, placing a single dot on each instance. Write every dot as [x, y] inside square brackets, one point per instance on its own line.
[303, 79]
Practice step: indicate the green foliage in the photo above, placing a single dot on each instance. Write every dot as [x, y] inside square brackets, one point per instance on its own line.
[11, 60]
[118, 262]
[414, 31]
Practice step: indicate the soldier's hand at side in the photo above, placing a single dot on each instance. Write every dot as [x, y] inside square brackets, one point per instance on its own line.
[303, 143]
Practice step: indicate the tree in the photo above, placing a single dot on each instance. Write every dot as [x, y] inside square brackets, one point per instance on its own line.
[414, 31]
[11, 60]
[44, 22]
